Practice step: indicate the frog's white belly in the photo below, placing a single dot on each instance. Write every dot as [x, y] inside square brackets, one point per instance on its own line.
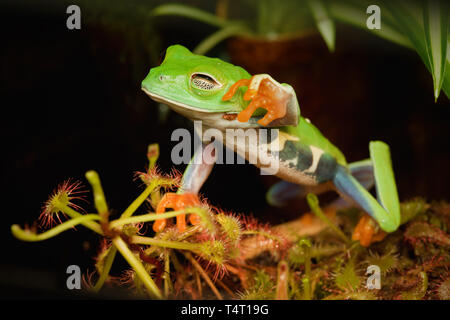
[246, 143]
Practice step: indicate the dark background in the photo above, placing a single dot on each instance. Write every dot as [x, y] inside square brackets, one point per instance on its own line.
[71, 102]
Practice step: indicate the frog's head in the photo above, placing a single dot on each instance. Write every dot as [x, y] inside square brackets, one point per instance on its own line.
[193, 85]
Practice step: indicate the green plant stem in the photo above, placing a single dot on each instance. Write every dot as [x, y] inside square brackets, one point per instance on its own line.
[306, 245]
[99, 196]
[306, 288]
[26, 235]
[189, 232]
[155, 216]
[189, 12]
[308, 262]
[165, 243]
[139, 200]
[307, 279]
[313, 203]
[211, 41]
[294, 288]
[106, 268]
[166, 276]
[148, 282]
[94, 226]
[147, 217]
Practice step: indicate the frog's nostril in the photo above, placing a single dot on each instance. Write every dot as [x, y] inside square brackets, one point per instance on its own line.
[161, 78]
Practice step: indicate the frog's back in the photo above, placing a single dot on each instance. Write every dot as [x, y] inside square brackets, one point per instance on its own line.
[308, 134]
[307, 155]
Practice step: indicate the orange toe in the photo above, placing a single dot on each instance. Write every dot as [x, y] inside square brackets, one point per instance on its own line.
[232, 91]
[176, 202]
[194, 219]
[265, 93]
[159, 225]
[367, 231]
[276, 101]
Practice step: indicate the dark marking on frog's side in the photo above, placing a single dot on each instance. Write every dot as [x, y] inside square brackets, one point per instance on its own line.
[326, 169]
[299, 156]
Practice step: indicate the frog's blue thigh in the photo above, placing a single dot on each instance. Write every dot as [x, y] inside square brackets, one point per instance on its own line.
[353, 191]
[362, 171]
[282, 192]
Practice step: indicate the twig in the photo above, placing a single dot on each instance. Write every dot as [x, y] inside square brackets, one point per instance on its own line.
[227, 289]
[199, 284]
[204, 275]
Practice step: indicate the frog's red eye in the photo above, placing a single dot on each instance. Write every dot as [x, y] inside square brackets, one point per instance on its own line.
[204, 81]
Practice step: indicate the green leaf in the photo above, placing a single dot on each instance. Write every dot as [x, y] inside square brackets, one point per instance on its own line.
[409, 24]
[190, 12]
[355, 14]
[212, 40]
[435, 17]
[446, 82]
[323, 21]
[412, 208]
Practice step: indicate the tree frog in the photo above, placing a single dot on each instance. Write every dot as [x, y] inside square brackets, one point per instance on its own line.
[224, 96]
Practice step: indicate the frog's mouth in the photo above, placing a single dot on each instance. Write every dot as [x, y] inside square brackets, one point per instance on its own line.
[214, 119]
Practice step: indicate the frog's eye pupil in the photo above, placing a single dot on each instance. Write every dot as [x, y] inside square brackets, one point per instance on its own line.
[204, 81]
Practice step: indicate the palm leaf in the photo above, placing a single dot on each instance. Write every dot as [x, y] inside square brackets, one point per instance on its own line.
[212, 40]
[354, 13]
[190, 12]
[410, 24]
[323, 21]
[446, 82]
[435, 17]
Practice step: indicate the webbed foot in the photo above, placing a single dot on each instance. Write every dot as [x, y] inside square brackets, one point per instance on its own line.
[367, 231]
[177, 202]
[265, 93]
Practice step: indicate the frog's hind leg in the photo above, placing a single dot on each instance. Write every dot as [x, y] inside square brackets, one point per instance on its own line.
[362, 171]
[283, 192]
[385, 211]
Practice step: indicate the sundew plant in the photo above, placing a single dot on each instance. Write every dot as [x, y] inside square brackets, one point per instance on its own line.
[233, 256]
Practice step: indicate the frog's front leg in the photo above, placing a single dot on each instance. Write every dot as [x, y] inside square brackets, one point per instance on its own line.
[385, 211]
[266, 93]
[194, 177]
